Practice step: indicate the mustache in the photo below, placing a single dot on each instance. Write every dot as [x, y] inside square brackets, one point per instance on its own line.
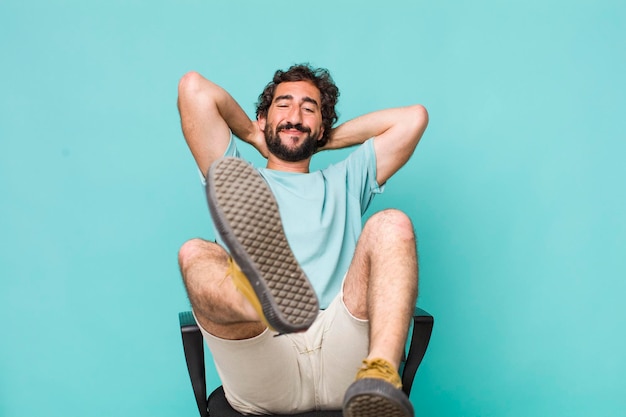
[298, 126]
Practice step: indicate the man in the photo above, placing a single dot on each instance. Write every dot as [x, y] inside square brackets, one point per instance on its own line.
[365, 278]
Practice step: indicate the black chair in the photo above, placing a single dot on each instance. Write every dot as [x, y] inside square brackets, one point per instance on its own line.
[217, 406]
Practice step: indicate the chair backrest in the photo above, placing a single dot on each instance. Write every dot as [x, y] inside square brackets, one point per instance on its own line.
[217, 406]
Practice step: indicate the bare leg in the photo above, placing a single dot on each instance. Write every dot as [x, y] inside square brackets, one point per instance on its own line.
[381, 284]
[219, 307]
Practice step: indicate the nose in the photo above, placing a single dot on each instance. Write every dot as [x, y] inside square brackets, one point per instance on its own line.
[295, 115]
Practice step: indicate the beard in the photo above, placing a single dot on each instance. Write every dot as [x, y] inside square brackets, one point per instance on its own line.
[291, 154]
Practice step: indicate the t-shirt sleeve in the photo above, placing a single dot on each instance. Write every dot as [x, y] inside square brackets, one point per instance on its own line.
[361, 174]
[231, 150]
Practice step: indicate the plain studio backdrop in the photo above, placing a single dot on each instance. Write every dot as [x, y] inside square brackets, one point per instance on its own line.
[517, 190]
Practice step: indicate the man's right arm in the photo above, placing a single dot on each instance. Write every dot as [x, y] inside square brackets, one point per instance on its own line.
[396, 133]
[208, 114]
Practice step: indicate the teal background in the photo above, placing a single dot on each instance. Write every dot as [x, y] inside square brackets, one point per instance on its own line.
[517, 190]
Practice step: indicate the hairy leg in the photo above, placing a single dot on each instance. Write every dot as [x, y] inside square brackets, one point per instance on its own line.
[219, 307]
[381, 284]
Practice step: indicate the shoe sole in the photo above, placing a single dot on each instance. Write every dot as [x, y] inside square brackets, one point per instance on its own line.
[246, 216]
[370, 397]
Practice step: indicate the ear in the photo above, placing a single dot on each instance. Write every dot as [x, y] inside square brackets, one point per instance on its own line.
[262, 121]
[321, 133]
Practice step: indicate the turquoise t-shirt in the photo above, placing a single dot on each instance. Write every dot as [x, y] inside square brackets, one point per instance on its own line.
[321, 213]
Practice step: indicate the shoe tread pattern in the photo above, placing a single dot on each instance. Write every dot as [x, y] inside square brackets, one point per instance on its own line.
[372, 397]
[373, 406]
[250, 213]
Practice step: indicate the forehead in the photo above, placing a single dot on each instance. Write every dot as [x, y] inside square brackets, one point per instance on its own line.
[298, 90]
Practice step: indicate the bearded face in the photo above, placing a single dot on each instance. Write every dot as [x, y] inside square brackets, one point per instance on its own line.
[288, 149]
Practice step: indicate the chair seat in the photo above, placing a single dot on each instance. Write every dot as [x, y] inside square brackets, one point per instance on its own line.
[219, 407]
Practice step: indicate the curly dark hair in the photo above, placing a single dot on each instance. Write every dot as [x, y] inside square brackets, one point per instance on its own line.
[321, 78]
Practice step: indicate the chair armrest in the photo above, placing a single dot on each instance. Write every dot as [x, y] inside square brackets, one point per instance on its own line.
[194, 356]
[422, 329]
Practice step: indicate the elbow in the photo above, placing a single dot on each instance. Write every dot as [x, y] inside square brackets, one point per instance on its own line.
[419, 115]
[189, 83]
[195, 91]
[417, 121]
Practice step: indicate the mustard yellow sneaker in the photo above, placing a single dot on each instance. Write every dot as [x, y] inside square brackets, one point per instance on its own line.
[377, 392]
[246, 217]
[243, 286]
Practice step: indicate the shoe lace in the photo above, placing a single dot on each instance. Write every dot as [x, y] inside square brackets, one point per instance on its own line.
[381, 369]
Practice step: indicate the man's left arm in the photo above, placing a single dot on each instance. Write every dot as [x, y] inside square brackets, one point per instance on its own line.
[396, 133]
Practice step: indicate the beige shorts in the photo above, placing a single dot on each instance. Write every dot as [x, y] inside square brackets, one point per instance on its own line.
[293, 372]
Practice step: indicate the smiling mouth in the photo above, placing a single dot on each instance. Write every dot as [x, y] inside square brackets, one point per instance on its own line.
[293, 129]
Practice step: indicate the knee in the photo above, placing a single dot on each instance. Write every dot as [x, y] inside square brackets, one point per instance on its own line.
[190, 250]
[391, 223]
